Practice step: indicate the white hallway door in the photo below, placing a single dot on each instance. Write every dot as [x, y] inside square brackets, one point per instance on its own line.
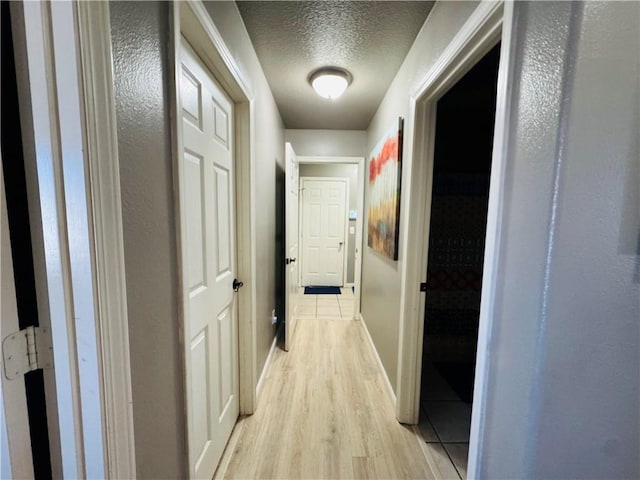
[292, 288]
[324, 215]
[208, 235]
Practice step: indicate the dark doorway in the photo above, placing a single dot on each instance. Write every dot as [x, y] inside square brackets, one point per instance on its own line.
[462, 165]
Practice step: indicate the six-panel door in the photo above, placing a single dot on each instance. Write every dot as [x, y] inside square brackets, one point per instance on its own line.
[208, 224]
[323, 231]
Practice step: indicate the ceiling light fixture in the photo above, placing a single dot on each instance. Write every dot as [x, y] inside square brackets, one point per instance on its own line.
[330, 82]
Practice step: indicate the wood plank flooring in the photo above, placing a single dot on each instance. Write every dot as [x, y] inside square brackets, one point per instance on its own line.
[324, 413]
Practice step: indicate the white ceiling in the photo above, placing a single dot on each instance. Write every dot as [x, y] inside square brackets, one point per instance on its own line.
[370, 39]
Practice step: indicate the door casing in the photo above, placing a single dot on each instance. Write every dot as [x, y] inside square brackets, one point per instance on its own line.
[345, 245]
[359, 161]
[489, 23]
[82, 81]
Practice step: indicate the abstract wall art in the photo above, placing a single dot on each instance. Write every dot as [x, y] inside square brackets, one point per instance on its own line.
[385, 169]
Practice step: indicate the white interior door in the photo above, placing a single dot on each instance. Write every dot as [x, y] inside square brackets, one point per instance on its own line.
[208, 236]
[15, 440]
[324, 215]
[292, 287]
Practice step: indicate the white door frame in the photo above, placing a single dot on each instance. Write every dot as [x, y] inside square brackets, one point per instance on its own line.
[41, 64]
[359, 161]
[191, 20]
[346, 221]
[489, 23]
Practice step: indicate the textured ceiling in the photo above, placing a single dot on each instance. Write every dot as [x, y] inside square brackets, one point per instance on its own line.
[370, 39]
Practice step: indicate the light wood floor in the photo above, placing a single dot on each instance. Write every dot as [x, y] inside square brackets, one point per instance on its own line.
[324, 412]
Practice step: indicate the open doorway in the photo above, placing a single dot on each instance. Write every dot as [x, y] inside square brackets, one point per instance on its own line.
[330, 191]
[465, 118]
[347, 172]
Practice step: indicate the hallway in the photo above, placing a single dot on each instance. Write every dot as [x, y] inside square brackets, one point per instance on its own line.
[324, 411]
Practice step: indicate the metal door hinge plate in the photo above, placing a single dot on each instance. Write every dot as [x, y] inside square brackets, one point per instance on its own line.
[27, 350]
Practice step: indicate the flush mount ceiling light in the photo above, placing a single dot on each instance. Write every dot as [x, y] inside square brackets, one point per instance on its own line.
[330, 82]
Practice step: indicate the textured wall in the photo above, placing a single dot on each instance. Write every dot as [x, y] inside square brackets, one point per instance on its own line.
[331, 143]
[269, 157]
[139, 37]
[380, 276]
[563, 366]
[345, 171]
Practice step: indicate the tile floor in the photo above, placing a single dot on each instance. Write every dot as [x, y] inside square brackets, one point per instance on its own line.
[327, 306]
[445, 422]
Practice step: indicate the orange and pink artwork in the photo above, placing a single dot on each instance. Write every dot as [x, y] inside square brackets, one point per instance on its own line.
[384, 193]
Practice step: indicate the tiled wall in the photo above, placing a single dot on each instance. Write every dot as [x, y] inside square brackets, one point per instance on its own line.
[454, 275]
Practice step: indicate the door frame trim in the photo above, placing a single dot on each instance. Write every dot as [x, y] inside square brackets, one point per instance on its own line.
[346, 222]
[488, 24]
[97, 119]
[191, 20]
[98, 95]
[360, 161]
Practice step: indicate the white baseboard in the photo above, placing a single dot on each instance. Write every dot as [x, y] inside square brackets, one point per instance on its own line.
[387, 382]
[267, 363]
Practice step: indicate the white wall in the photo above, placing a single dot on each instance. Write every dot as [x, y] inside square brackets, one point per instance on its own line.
[140, 33]
[381, 277]
[563, 384]
[330, 143]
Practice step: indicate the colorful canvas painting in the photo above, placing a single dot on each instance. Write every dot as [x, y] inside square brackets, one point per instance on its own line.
[384, 192]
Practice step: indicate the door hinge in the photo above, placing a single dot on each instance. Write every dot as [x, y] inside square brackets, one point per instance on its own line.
[423, 287]
[27, 350]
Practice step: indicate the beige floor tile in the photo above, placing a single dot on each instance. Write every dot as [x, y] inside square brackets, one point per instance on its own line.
[331, 319]
[306, 311]
[328, 311]
[427, 431]
[347, 306]
[440, 462]
[459, 452]
[347, 312]
[451, 420]
[327, 300]
[307, 300]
